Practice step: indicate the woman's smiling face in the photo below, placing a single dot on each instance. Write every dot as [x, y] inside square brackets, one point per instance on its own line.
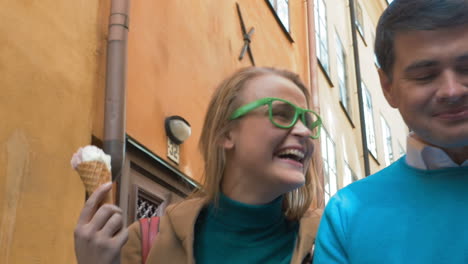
[261, 155]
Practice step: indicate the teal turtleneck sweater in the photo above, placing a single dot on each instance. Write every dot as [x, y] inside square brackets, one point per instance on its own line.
[234, 232]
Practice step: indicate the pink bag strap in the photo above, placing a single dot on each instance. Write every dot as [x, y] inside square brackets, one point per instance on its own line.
[149, 229]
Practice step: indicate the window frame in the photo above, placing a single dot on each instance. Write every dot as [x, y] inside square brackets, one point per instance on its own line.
[343, 85]
[322, 45]
[284, 22]
[348, 172]
[359, 20]
[376, 60]
[327, 143]
[401, 150]
[387, 142]
[369, 120]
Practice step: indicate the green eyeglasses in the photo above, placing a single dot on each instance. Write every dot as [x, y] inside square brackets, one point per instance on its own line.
[283, 114]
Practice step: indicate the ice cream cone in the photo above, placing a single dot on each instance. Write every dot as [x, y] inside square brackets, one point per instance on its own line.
[94, 174]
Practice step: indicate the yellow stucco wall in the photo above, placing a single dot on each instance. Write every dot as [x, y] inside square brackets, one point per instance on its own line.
[347, 139]
[178, 54]
[371, 13]
[49, 57]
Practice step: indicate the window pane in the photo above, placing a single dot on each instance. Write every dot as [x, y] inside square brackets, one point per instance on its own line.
[273, 3]
[323, 142]
[347, 178]
[332, 184]
[331, 154]
[321, 9]
[341, 72]
[401, 150]
[325, 60]
[283, 13]
[281, 8]
[317, 43]
[359, 19]
[329, 164]
[321, 33]
[387, 141]
[369, 119]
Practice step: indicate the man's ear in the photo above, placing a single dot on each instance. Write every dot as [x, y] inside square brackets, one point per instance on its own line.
[387, 88]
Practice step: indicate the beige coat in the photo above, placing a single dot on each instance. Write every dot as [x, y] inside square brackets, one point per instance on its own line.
[174, 242]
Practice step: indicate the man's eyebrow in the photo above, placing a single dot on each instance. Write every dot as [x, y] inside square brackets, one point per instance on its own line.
[421, 64]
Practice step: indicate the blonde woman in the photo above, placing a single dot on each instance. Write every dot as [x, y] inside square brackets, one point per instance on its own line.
[257, 142]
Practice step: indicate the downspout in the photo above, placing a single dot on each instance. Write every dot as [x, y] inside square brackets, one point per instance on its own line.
[314, 93]
[116, 72]
[357, 66]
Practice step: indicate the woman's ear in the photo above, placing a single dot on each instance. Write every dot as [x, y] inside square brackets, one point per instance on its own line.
[227, 141]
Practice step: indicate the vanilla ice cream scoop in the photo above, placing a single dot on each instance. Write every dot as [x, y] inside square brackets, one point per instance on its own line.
[93, 166]
[90, 153]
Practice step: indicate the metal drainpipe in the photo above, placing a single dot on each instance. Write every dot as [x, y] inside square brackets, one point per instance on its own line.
[357, 66]
[114, 114]
[314, 88]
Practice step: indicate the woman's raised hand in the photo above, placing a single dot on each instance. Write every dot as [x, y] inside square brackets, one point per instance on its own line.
[100, 233]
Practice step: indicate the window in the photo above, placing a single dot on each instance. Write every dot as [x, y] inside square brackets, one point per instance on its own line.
[148, 205]
[369, 119]
[349, 175]
[281, 7]
[376, 60]
[387, 141]
[150, 185]
[401, 150]
[342, 75]
[329, 164]
[389, 1]
[321, 34]
[359, 19]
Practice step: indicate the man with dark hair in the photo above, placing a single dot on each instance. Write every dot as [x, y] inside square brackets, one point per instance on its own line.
[415, 210]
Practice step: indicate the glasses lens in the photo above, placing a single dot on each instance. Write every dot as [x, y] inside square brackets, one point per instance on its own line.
[282, 113]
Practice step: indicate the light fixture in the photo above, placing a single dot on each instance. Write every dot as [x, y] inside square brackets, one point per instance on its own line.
[177, 129]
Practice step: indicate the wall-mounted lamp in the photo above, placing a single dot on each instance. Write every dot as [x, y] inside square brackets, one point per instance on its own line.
[177, 129]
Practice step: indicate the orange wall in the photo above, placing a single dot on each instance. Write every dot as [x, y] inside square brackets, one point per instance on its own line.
[178, 54]
[50, 52]
[52, 78]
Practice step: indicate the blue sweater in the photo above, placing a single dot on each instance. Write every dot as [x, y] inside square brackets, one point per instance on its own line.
[235, 233]
[398, 215]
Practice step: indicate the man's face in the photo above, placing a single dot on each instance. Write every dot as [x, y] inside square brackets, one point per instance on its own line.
[429, 84]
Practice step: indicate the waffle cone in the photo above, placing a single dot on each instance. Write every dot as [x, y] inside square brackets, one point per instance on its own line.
[94, 174]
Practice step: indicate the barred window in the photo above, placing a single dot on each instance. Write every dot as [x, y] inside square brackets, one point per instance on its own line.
[147, 205]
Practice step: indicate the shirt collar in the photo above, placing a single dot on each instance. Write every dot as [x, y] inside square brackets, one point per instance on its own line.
[425, 157]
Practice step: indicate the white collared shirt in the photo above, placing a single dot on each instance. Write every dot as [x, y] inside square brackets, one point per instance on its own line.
[425, 157]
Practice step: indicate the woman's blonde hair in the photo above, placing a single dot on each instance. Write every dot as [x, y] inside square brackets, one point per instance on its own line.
[224, 102]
